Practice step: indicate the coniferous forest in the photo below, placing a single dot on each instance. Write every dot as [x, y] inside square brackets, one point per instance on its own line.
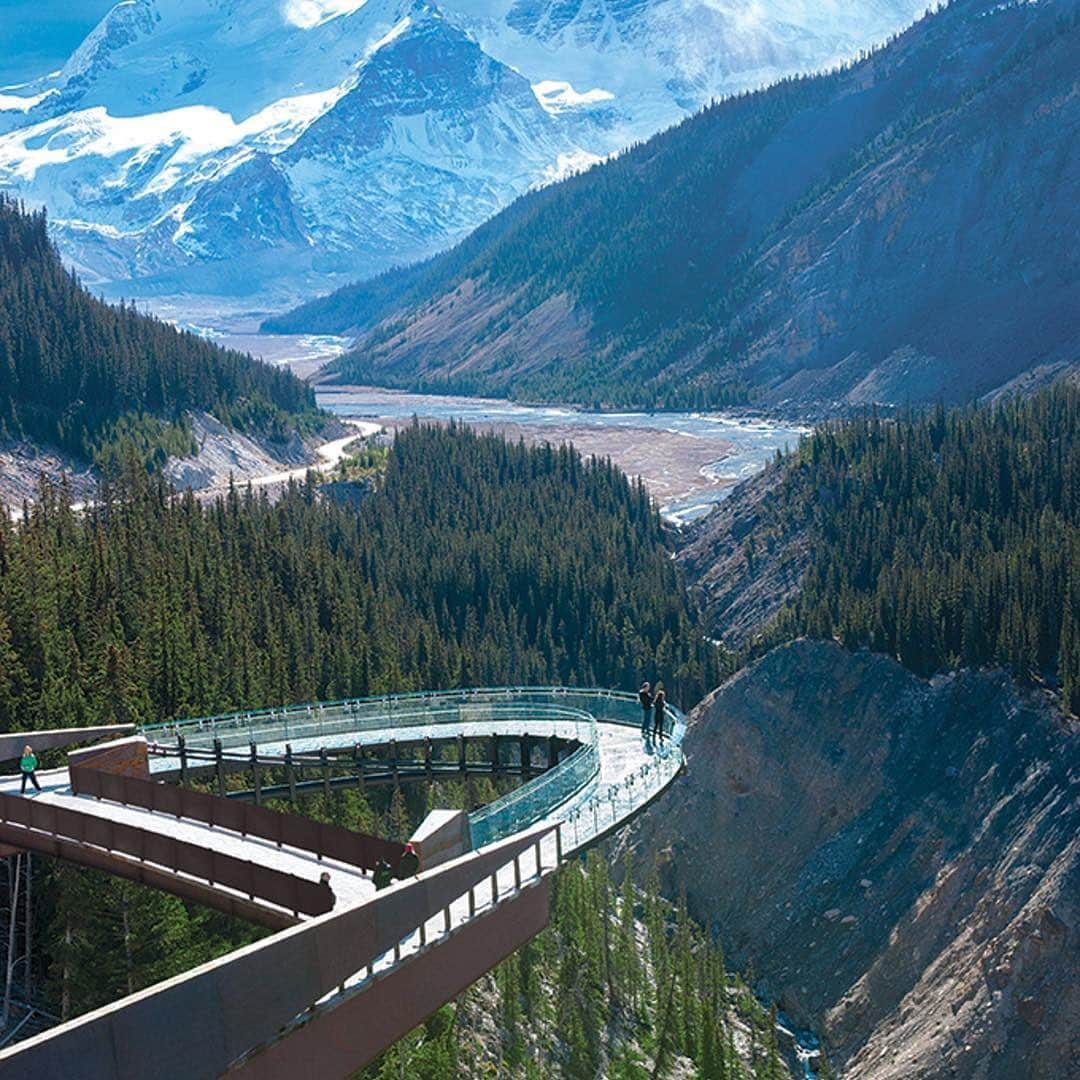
[946, 539]
[81, 374]
[475, 562]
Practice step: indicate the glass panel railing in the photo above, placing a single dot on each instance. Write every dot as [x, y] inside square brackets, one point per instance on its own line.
[569, 712]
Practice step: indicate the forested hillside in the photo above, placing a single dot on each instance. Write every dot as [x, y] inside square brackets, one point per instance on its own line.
[950, 539]
[476, 562]
[78, 374]
[897, 231]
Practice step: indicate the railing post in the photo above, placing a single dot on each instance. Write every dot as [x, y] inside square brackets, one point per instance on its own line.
[219, 767]
[325, 773]
[290, 772]
[472, 901]
[446, 918]
[256, 778]
[494, 888]
[523, 756]
[517, 870]
[181, 743]
[394, 759]
[427, 756]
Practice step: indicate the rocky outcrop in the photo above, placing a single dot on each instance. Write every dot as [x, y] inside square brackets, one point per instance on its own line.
[747, 558]
[901, 859]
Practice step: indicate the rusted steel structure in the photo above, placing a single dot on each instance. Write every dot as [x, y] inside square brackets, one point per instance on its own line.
[334, 987]
[234, 1012]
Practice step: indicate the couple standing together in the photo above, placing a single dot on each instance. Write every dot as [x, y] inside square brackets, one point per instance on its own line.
[652, 711]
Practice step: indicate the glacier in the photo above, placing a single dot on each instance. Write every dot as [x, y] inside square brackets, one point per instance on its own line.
[236, 156]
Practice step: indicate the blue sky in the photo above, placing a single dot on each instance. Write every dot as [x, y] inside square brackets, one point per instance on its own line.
[37, 36]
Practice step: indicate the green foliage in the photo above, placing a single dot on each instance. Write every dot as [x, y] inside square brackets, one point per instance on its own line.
[81, 374]
[477, 562]
[947, 539]
[587, 999]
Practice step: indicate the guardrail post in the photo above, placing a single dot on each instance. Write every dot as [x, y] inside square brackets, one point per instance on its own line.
[517, 869]
[494, 888]
[394, 759]
[181, 746]
[325, 761]
[472, 901]
[523, 755]
[446, 918]
[290, 772]
[219, 767]
[256, 778]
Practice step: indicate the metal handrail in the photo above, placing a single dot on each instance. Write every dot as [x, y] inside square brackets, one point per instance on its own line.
[579, 708]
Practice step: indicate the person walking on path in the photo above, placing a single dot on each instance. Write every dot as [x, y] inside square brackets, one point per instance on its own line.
[383, 875]
[658, 714]
[409, 864]
[646, 699]
[28, 765]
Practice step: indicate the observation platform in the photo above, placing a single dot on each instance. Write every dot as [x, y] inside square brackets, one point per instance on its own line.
[351, 970]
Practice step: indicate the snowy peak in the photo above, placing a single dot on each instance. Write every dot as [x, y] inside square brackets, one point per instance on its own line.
[276, 146]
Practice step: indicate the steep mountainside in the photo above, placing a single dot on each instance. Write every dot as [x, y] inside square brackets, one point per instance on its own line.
[77, 373]
[901, 859]
[903, 230]
[237, 147]
[946, 539]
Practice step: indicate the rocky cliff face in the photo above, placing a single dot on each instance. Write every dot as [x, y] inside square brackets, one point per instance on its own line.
[900, 858]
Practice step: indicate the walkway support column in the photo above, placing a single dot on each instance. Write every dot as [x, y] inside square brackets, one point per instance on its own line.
[256, 778]
[290, 772]
[219, 767]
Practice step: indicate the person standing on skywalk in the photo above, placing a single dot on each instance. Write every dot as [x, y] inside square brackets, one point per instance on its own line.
[659, 703]
[646, 700]
[28, 767]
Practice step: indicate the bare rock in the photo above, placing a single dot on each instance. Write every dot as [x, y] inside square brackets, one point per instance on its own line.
[818, 770]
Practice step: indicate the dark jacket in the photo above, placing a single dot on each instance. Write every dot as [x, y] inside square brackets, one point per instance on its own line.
[408, 865]
[383, 875]
[646, 699]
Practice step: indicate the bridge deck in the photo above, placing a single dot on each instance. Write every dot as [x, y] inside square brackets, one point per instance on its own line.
[339, 964]
[349, 883]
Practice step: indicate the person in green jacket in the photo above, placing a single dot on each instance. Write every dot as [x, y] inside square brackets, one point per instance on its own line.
[28, 763]
[383, 875]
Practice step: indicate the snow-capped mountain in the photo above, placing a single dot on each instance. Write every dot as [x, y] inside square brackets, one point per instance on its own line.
[271, 148]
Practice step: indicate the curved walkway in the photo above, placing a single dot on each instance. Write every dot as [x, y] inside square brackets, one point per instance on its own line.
[330, 993]
[604, 782]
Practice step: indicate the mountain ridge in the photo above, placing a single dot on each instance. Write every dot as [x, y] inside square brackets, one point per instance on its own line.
[897, 231]
[144, 131]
